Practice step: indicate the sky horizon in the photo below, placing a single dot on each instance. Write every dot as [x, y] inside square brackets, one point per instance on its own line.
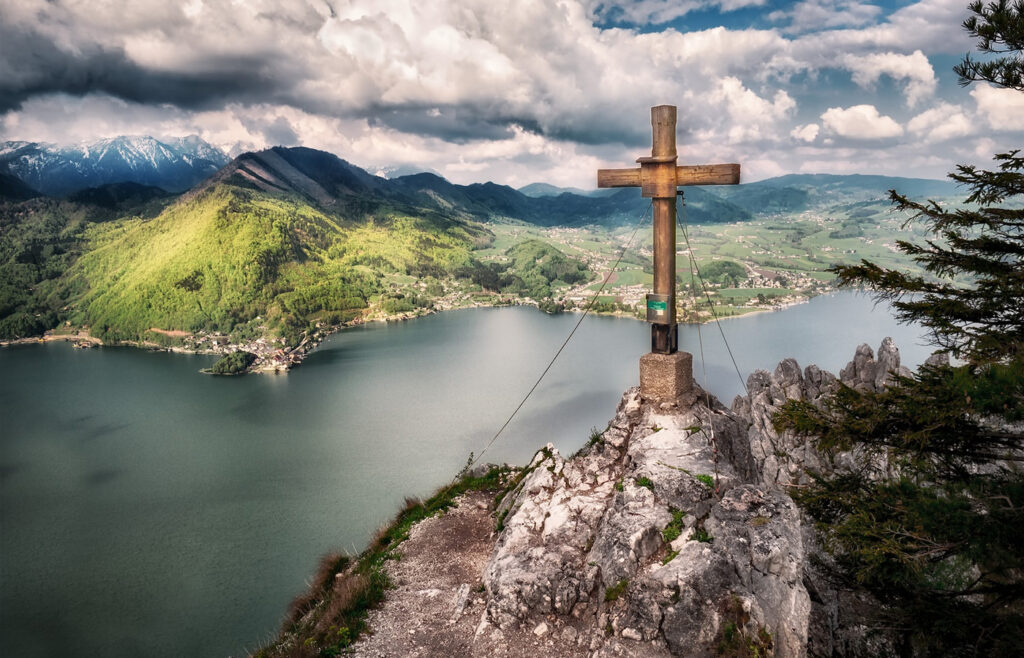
[517, 92]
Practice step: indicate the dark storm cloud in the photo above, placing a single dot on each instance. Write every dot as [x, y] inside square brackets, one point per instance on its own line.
[35, 65]
[465, 123]
[453, 124]
[595, 129]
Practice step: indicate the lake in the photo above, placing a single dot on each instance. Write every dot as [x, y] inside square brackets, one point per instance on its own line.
[149, 510]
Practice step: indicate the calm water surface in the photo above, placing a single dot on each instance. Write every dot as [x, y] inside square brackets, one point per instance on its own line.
[148, 510]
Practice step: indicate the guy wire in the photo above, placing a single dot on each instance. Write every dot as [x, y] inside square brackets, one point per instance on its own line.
[586, 311]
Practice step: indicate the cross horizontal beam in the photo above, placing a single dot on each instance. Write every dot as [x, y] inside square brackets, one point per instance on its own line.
[716, 174]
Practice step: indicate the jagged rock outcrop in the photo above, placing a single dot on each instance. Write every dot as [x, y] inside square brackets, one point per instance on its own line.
[784, 459]
[630, 537]
[673, 533]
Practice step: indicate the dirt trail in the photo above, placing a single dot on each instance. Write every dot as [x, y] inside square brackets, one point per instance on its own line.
[436, 607]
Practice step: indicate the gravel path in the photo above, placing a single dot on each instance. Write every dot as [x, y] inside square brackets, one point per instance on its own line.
[438, 603]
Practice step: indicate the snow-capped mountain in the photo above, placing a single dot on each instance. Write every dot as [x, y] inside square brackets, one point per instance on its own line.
[174, 164]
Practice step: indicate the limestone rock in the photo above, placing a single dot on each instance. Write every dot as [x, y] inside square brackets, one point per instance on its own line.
[649, 540]
[584, 538]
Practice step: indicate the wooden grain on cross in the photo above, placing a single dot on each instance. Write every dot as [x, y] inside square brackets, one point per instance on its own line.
[658, 177]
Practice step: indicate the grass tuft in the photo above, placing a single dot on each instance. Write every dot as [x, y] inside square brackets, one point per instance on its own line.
[675, 526]
[733, 640]
[330, 566]
[615, 591]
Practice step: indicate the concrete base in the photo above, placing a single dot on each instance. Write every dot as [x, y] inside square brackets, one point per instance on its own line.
[666, 378]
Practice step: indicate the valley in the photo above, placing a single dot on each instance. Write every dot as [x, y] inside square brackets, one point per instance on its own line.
[279, 249]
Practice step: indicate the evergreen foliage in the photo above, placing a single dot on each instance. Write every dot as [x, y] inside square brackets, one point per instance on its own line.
[926, 510]
[980, 245]
[233, 364]
[999, 28]
[39, 239]
[724, 272]
[533, 266]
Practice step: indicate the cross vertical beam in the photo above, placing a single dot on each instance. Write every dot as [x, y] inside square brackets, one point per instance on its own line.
[660, 170]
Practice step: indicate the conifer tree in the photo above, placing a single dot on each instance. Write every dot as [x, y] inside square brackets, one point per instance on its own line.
[927, 512]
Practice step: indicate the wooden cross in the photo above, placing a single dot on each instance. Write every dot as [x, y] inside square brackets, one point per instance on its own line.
[658, 177]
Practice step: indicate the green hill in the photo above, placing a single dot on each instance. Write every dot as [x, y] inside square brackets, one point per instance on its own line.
[274, 244]
[265, 255]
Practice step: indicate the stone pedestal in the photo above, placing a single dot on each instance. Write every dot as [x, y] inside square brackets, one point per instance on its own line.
[666, 377]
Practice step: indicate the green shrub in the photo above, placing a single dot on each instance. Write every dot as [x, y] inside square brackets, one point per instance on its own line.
[675, 526]
[234, 363]
[615, 591]
[644, 481]
[707, 480]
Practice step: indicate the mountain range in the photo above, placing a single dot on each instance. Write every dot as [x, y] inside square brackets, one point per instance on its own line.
[173, 165]
[177, 165]
[277, 241]
[323, 178]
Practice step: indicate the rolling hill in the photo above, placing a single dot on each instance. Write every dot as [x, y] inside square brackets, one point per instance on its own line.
[275, 241]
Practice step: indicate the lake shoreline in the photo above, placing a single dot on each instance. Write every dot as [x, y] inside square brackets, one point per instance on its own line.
[283, 360]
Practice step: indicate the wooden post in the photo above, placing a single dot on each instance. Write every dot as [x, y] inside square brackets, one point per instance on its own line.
[660, 169]
[665, 373]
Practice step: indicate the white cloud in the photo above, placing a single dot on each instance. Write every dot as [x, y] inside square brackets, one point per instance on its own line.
[1003, 109]
[860, 122]
[914, 69]
[805, 133]
[941, 123]
[818, 14]
[984, 149]
[932, 26]
[747, 116]
[532, 85]
[733, 5]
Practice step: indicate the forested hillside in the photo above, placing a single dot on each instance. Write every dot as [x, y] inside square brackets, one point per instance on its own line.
[39, 240]
[275, 244]
[233, 254]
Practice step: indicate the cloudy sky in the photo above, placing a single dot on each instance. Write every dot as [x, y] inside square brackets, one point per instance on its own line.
[513, 91]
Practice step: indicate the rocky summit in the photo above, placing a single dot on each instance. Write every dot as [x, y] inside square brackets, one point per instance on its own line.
[670, 534]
